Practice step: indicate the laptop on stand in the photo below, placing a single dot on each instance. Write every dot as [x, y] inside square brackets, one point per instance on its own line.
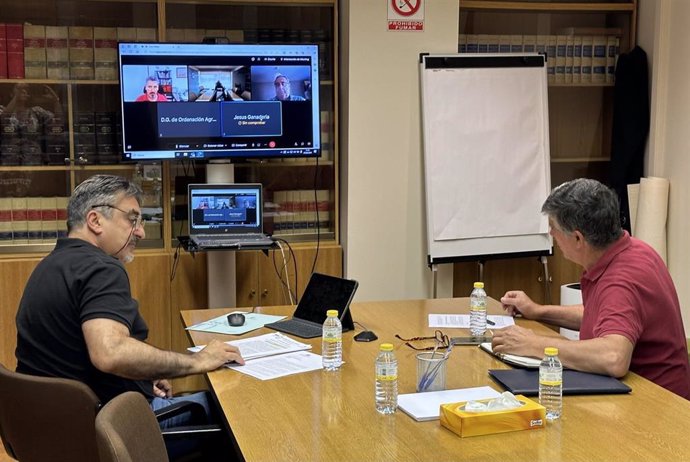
[226, 216]
[323, 293]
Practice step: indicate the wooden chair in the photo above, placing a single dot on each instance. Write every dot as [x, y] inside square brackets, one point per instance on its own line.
[44, 418]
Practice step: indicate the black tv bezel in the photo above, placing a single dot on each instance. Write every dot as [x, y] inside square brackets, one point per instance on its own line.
[239, 153]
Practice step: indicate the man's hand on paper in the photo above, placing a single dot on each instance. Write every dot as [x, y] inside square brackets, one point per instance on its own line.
[516, 340]
[216, 354]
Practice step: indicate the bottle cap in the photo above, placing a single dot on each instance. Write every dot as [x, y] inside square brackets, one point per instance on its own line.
[332, 313]
[551, 351]
[386, 347]
[478, 285]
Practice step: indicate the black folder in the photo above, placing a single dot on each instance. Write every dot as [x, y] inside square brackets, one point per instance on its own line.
[526, 382]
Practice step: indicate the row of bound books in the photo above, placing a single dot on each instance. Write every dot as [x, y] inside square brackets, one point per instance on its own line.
[97, 138]
[26, 220]
[34, 51]
[65, 52]
[571, 58]
[296, 211]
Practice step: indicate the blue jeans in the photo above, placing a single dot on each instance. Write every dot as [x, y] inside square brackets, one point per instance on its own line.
[183, 446]
[184, 418]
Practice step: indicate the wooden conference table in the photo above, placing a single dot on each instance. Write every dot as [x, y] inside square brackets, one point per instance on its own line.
[319, 416]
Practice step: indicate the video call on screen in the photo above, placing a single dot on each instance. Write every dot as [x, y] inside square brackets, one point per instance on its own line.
[211, 211]
[219, 103]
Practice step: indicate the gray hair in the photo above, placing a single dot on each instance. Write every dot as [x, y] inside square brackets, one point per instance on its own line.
[587, 206]
[279, 75]
[98, 190]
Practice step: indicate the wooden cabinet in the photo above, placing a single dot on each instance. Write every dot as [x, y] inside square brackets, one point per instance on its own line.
[263, 278]
[580, 103]
[15, 273]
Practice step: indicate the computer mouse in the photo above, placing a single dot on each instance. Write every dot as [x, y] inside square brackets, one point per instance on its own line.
[236, 319]
[365, 336]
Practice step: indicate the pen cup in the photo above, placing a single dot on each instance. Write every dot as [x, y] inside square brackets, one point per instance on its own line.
[431, 371]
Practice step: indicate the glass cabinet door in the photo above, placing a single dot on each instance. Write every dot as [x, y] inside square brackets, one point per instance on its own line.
[60, 111]
[582, 41]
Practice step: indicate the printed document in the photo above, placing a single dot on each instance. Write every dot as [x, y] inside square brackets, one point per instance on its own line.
[263, 345]
[462, 321]
[270, 356]
[272, 367]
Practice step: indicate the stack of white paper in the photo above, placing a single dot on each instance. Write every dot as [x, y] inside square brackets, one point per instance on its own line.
[270, 356]
[425, 406]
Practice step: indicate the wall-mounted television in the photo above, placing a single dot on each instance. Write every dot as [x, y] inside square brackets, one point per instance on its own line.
[205, 101]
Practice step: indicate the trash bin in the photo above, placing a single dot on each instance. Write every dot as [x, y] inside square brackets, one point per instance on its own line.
[570, 295]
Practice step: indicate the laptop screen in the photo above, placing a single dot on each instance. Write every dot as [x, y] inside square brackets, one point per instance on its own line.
[224, 208]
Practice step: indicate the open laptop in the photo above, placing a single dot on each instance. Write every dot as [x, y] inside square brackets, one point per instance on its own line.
[226, 216]
[322, 293]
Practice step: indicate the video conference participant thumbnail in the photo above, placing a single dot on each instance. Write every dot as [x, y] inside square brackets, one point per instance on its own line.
[151, 94]
[281, 83]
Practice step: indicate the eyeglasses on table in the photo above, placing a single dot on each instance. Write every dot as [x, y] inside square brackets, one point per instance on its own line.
[439, 339]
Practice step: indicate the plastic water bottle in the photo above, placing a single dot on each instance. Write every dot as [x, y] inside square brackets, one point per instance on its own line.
[551, 383]
[332, 344]
[386, 380]
[478, 310]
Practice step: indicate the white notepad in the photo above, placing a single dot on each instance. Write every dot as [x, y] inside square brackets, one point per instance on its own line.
[513, 360]
[425, 406]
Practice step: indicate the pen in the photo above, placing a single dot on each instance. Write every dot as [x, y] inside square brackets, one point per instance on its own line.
[490, 322]
[430, 375]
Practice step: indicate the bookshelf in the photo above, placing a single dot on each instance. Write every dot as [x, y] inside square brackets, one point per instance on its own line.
[580, 103]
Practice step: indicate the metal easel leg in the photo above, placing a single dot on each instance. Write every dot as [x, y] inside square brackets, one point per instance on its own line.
[434, 281]
[547, 281]
[480, 270]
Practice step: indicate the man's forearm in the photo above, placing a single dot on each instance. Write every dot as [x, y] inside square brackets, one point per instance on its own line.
[113, 351]
[609, 355]
[569, 316]
[137, 360]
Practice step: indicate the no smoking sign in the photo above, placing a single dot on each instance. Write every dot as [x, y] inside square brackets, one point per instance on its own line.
[405, 15]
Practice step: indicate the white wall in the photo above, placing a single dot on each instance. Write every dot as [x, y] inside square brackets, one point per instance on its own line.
[665, 35]
[382, 209]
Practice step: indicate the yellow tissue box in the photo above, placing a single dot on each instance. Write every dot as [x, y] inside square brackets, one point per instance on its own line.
[529, 416]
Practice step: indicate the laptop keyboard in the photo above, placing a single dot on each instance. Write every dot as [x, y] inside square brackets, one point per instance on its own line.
[297, 327]
[232, 240]
[237, 237]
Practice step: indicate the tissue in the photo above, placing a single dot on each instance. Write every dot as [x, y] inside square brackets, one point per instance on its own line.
[506, 401]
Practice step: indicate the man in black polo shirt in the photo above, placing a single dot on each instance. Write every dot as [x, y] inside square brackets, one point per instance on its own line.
[77, 318]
